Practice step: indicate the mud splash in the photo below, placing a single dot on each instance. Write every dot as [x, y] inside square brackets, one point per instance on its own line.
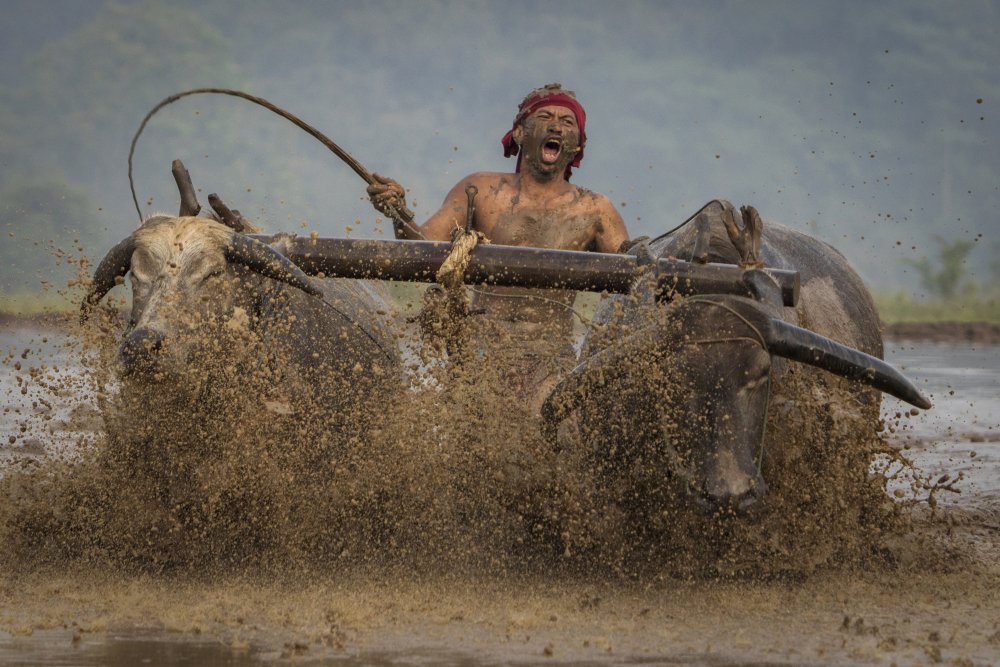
[222, 470]
[211, 505]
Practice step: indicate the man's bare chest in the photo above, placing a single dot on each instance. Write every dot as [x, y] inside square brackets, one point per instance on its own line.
[569, 226]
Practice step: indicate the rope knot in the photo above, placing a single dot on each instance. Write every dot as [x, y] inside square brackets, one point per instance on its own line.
[442, 319]
[452, 272]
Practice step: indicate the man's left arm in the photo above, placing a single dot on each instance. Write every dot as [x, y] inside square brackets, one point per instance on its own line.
[611, 231]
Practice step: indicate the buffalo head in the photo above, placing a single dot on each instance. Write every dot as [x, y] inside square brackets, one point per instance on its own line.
[698, 385]
[186, 273]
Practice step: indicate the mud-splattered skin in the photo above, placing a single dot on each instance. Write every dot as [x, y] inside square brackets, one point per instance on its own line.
[571, 219]
[534, 207]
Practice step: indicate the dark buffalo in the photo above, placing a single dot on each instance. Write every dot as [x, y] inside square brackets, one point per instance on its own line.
[690, 383]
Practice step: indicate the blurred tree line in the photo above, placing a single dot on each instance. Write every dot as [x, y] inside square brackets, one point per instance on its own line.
[946, 276]
[946, 289]
[68, 114]
[877, 147]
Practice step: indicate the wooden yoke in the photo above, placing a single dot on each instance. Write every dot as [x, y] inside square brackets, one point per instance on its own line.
[517, 266]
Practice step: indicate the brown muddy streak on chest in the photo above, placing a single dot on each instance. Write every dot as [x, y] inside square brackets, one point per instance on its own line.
[567, 223]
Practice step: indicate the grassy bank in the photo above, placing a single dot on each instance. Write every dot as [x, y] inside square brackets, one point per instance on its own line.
[897, 307]
[37, 303]
[894, 307]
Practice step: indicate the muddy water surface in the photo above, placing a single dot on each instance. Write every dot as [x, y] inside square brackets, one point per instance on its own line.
[961, 435]
[103, 594]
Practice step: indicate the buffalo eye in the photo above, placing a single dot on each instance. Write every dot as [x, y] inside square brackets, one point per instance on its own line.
[212, 274]
[137, 284]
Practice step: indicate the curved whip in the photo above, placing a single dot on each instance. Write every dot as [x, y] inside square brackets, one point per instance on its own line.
[404, 215]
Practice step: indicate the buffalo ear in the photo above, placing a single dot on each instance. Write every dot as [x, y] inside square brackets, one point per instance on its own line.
[763, 288]
[115, 265]
[798, 344]
[265, 260]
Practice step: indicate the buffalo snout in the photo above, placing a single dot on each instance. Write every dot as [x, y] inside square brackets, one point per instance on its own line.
[732, 493]
[140, 351]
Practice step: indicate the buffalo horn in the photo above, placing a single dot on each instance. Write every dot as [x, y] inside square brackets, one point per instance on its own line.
[265, 260]
[798, 344]
[114, 266]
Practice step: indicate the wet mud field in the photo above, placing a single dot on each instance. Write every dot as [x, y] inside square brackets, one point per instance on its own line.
[145, 526]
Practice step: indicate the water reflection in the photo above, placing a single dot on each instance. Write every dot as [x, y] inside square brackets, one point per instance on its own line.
[961, 434]
[117, 649]
[150, 647]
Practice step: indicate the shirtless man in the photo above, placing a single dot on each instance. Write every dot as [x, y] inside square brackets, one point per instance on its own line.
[534, 206]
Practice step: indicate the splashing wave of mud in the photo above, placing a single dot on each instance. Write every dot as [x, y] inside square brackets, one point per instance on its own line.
[215, 504]
[225, 468]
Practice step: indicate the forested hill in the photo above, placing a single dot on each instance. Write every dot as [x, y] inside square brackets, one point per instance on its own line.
[871, 125]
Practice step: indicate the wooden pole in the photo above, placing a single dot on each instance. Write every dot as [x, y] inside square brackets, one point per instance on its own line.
[517, 266]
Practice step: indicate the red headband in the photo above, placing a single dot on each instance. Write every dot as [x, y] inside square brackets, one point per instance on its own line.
[530, 106]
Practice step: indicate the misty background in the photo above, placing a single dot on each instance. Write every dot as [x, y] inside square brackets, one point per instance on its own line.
[871, 125]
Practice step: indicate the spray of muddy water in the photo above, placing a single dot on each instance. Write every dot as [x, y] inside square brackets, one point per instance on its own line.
[231, 466]
[229, 471]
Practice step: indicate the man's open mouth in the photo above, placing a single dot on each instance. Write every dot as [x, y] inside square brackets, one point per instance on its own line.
[551, 150]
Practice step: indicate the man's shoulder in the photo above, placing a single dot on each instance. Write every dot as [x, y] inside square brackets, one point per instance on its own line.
[488, 178]
[490, 183]
[592, 198]
[483, 178]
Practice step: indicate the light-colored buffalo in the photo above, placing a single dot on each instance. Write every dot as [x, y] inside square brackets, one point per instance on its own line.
[199, 288]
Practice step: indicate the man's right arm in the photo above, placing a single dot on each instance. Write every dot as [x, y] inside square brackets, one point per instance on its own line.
[386, 194]
[388, 197]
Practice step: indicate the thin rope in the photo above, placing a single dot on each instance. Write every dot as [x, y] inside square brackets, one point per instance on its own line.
[707, 301]
[760, 340]
[276, 290]
[693, 216]
[713, 341]
[357, 324]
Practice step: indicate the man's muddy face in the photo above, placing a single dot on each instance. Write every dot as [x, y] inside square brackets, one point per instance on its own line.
[549, 138]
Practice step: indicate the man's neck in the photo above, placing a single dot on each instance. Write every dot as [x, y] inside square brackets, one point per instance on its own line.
[534, 186]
